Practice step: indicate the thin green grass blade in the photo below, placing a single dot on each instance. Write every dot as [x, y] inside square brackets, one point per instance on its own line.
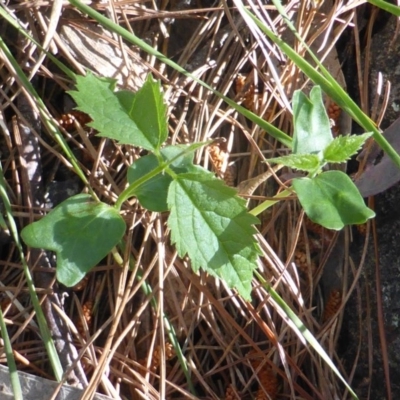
[3, 223]
[44, 329]
[271, 129]
[53, 129]
[325, 80]
[395, 10]
[107, 23]
[16, 24]
[15, 383]
[303, 331]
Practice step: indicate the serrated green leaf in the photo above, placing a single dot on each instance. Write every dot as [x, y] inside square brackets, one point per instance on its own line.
[312, 131]
[110, 117]
[150, 112]
[303, 162]
[80, 231]
[343, 147]
[210, 223]
[332, 200]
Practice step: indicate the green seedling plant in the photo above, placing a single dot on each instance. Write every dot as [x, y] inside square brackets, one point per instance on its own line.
[329, 198]
[318, 75]
[208, 221]
[83, 217]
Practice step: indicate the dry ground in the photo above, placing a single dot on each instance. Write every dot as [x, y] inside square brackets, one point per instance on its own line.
[232, 349]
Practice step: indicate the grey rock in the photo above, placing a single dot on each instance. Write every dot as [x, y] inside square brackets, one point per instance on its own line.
[361, 320]
[34, 388]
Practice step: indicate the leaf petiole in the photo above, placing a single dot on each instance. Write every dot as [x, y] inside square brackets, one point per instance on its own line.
[269, 203]
[130, 190]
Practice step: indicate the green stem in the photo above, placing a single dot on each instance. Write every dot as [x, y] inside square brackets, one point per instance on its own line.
[131, 189]
[268, 203]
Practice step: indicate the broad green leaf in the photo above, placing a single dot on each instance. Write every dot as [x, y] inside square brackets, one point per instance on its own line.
[152, 194]
[303, 162]
[343, 147]
[110, 117]
[182, 159]
[125, 98]
[80, 231]
[312, 131]
[332, 200]
[150, 112]
[210, 223]
[182, 163]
